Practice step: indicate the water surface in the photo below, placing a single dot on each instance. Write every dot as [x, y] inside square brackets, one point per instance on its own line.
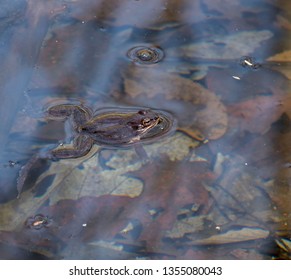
[218, 188]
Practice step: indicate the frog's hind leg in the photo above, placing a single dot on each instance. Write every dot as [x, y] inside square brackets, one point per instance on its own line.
[82, 145]
[78, 114]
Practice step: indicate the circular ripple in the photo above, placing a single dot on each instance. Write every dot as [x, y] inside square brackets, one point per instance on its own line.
[145, 55]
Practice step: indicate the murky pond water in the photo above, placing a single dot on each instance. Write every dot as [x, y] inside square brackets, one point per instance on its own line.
[213, 75]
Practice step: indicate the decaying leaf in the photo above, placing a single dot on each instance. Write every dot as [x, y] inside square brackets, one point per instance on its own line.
[169, 191]
[196, 108]
[136, 13]
[257, 114]
[233, 236]
[92, 218]
[75, 178]
[282, 62]
[232, 46]
[284, 56]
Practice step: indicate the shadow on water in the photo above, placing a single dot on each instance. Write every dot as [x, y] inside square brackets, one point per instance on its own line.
[216, 187]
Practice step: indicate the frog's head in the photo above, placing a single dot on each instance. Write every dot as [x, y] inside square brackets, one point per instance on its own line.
[143, 121]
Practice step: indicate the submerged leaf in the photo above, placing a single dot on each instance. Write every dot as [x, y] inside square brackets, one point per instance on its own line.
[76, 178]
[233, 236]
[232, 46]
[198, 110]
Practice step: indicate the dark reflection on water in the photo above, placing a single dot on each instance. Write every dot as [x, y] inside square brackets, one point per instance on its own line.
[218, 188]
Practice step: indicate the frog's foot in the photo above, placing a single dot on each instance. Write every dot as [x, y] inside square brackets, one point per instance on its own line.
[24, 171]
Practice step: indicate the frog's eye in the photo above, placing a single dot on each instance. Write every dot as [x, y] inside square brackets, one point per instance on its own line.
[142, 112]
[146, 122]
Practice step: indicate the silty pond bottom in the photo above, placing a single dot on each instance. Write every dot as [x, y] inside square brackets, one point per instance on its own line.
[215, 186]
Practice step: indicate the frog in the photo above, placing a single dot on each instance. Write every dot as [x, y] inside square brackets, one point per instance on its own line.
[109, 127]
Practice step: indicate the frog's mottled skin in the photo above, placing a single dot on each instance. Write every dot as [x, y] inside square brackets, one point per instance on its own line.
[107, 127]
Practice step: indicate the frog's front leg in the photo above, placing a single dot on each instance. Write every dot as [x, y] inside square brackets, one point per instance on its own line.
[139, 149]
